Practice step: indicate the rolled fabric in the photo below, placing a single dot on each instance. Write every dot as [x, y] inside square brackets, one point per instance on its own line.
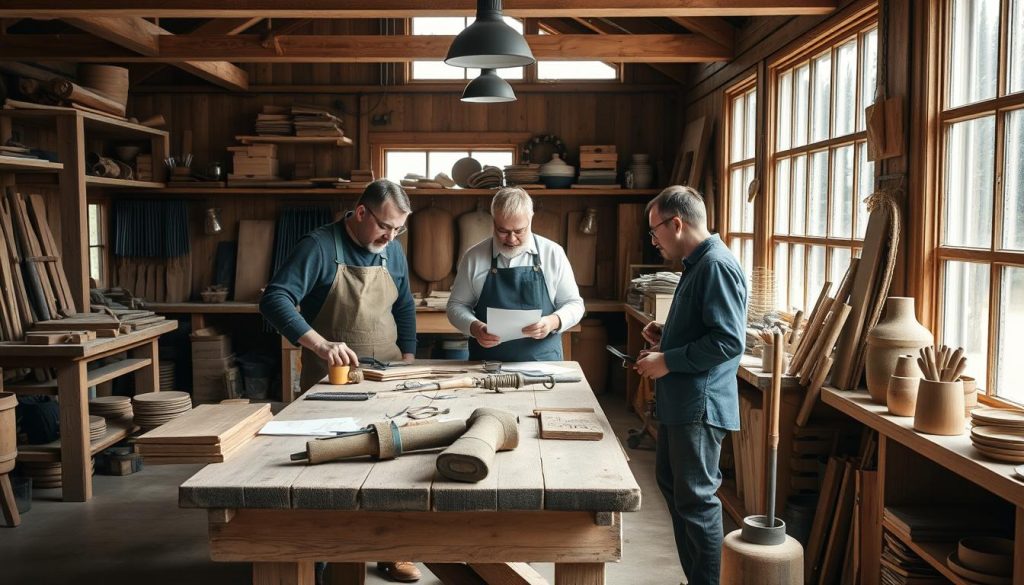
[384, 440]
[469, 459]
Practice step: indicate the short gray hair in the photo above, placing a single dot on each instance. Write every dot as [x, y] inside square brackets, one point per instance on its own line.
[381, 190]
[511, 201]
[680, 200]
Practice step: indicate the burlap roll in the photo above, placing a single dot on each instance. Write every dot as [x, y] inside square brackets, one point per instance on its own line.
[469, 459]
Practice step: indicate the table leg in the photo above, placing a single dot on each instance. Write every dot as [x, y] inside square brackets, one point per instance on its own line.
[198, 321]
[297, 573]
[76, 470]
[147, 379]
[579, 573]
[345, 574]
[7, 503]
[567, 347]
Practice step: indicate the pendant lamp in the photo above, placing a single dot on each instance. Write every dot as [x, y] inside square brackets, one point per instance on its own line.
[489, 43]
[488, 88]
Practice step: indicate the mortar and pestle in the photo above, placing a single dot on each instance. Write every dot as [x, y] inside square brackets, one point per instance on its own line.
[761, 553]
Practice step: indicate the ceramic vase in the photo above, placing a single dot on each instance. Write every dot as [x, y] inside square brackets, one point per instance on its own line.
[940, 408]
[906, 367]
[898, 333]
[901, 396]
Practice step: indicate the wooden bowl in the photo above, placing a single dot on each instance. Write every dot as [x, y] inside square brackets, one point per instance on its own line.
[986, 554]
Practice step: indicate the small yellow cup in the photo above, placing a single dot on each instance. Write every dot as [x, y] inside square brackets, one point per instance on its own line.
[338, 375]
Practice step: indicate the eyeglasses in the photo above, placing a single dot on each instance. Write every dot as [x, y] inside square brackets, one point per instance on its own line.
[655, 228]
[387, 226]
[506, 233]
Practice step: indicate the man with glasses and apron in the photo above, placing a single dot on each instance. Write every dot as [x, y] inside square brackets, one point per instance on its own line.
[515, 269]
[351, 280]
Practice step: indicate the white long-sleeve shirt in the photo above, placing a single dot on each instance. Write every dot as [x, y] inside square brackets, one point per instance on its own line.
[476, 264]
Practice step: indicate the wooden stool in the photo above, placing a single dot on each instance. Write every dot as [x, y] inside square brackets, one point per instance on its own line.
[8, 453]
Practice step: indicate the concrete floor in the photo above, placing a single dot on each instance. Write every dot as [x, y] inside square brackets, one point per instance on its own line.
[132, 531]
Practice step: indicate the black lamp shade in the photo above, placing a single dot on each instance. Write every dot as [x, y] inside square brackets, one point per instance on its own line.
[489, 43]
[488, 88]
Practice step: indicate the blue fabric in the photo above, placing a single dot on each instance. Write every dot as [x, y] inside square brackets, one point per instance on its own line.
[519, 287]
[686, 468]
[307, 275]
[703, 340]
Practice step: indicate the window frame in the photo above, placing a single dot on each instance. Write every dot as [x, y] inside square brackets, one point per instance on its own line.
[102, 245]
[996, 257]
[748, 86]
[855, 27]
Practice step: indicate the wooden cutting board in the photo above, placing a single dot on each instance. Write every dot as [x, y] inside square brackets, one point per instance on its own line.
[549, 225]
[582, 251]
[474, 227]
[252, 266]
[432, 243]
[578, 426]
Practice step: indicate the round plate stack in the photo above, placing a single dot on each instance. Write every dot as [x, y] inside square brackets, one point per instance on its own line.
[153, 409]
[97, 427]
[111, 406]
[998, 433]
[44, 475]
[983, 559]
[166, 376]
[489, 178]
[528, 174]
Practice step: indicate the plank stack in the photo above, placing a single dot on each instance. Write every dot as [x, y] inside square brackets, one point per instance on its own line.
[153, 409]
[297, 121]
[597, 167]
[254, 162]
[359, 179]
[210, 433]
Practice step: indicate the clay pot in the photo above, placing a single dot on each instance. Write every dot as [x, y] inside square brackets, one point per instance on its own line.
[970, 393]
[940, 408]
[897, 334]
[901, 396]
[906, 367]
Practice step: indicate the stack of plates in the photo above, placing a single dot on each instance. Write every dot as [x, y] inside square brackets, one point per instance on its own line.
[166, 376]
[111, 406]
[983, 559]
[522, 174]
[998, 433]
[44, 475]
[153, 409]
[488, 178]
[97, 427]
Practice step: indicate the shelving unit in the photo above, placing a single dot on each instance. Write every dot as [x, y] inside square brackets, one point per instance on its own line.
[331, 192]
[336, 141]
[117, 430]
[14, 164]
[106, 182]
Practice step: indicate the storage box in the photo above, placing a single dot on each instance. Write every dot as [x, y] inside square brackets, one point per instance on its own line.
[657, 305]
[598, 160]
[597, 148]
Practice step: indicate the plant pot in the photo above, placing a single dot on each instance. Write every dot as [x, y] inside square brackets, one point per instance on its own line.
[897, 334]
[940, 408]
[970, 393]
[901, 396]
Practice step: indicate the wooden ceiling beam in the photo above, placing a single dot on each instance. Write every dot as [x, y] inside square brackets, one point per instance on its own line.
[217, 26]
[191, 50]
[118, 31]
[673, 71]
[715, 28]
[405, 8]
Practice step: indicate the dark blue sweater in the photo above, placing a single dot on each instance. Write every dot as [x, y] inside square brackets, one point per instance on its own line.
[306, 277]
[703, 340]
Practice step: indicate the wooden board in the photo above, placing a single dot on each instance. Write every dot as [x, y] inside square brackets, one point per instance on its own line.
[210, 424]
[582, 251]
[549, 225]
[579, 426]
[252, 267]
[629, 243]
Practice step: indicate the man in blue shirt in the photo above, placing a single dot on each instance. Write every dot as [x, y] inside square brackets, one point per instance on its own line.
[694, 358]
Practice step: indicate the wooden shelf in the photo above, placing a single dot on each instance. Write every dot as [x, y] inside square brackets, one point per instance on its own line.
[91, 181]
[332, 192]
[108, 126]
[335, 140]
[16, 164]
[117, 430]
[96, 376]
[227, 308]
[934, 553]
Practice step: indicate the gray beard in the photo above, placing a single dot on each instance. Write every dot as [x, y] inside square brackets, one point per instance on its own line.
[510, 252]
[375, 249]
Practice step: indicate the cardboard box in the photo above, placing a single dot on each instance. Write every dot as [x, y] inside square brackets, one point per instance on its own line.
[657, 305]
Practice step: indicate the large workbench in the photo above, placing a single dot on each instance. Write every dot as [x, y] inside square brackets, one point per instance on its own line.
[546, 501]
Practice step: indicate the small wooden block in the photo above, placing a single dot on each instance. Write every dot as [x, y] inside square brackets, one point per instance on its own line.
[597, 148]
[579, 426]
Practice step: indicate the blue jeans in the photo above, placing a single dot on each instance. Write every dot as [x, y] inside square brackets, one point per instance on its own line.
[688, 475]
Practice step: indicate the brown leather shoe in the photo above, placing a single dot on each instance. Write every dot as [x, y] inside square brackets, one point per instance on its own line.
[401, 571]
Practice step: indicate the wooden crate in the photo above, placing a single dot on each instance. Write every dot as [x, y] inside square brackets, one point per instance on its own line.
[657, 305]
[597, 149]
[599, 160]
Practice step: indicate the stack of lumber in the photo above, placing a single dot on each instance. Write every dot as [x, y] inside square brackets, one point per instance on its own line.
[597, 166]
[212, 363]
[397, 373]
[109, 324]
[297, 121]
[255, 162]
[359, 180]
[33, 285]
[815, 352]
[210, 433]
[153, 409]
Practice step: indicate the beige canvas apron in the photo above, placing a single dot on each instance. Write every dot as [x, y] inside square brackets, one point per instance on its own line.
[357, 311]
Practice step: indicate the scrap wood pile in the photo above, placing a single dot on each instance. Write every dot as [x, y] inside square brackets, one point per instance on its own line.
[833, 340]
[33, 285]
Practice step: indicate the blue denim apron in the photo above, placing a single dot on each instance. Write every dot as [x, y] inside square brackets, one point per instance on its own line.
[519, 287]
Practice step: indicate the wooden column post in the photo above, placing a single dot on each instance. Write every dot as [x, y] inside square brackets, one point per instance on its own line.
[297, 573]
[148, 378]
[76, 468]
[579, 573]
[74, 243]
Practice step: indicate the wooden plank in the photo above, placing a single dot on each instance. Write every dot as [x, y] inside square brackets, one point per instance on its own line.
[255, 246]
[579, 574]
[19, 293]
[629, 243]
[210, 424]
[715, 28]
[126, 32]
[579, 426]
[823, 514]
[76, 468]
[193, 51]
[870, 526]
[472, 537]
[407, 8]
[582, 251]
[835, 549]
[284, 573]
[38, 216]
[508, 574]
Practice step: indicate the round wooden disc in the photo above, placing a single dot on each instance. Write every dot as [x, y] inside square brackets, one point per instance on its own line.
[996, 444]
[1007, 455]
[149, 397]
[463, 168]
[999, 434]
[112, 400]
[999, 416]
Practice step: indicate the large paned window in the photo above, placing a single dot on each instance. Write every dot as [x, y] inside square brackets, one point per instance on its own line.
[820, 170]
[741, 116]
[398, 162]
[981, 195]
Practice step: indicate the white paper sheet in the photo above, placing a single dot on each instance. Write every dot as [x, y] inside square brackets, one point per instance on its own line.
[320, 427]
[508, 323]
